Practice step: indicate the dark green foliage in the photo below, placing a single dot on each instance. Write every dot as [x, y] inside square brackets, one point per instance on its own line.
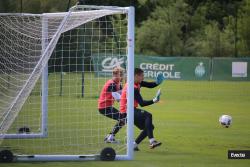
[172, 27]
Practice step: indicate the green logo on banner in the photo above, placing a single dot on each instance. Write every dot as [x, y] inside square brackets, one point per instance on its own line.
[200, 70]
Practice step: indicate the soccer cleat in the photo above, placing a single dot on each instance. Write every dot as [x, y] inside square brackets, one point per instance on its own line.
[136, 148]
[110, 139]
[154, 144]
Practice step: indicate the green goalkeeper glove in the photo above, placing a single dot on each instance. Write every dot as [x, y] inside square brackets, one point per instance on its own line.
[159, 79]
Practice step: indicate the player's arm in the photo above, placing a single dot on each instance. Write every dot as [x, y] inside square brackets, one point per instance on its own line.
[115, 93]
[120, 90]
[140, 100]
[148, 84]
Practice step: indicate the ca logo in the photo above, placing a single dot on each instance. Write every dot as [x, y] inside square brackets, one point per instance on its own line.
[109, 63]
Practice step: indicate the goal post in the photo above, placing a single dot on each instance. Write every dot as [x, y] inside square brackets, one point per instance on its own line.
[60, 118]
[130, 115]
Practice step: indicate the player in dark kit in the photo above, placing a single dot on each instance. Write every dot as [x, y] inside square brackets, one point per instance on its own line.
[142, 118]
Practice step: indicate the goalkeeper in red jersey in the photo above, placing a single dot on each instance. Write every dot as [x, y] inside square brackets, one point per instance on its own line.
[111, 91]
[142, 118]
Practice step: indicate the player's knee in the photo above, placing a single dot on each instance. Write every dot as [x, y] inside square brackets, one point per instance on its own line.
[122, 123]
[149, 115]
[153, 127]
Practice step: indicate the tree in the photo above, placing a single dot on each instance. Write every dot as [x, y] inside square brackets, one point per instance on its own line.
[9, 6]
[172, 27]
[213, 42]
[161, 33]
[244, 33]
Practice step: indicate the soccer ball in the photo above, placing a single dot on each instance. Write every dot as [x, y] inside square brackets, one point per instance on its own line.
[225, 120]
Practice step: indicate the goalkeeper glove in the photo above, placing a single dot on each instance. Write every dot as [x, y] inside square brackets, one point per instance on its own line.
[116, 96]
[157, 96]
[159, 79]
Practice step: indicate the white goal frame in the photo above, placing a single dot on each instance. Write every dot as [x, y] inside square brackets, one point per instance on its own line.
[44, 94]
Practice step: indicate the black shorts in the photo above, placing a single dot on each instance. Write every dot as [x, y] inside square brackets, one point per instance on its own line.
[140, 117]
[112, 113]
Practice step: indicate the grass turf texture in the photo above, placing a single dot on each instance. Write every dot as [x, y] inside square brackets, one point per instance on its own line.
[186, 122]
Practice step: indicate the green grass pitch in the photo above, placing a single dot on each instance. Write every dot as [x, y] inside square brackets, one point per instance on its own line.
[186, 122]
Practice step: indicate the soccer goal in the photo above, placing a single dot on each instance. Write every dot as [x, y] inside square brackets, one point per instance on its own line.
[52, 69]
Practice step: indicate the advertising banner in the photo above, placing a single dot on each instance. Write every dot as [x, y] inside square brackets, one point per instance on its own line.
[234, 69]
[178, 68]
[175, 68]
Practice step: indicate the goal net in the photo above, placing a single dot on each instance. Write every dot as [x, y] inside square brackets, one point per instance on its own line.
[52, 69]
